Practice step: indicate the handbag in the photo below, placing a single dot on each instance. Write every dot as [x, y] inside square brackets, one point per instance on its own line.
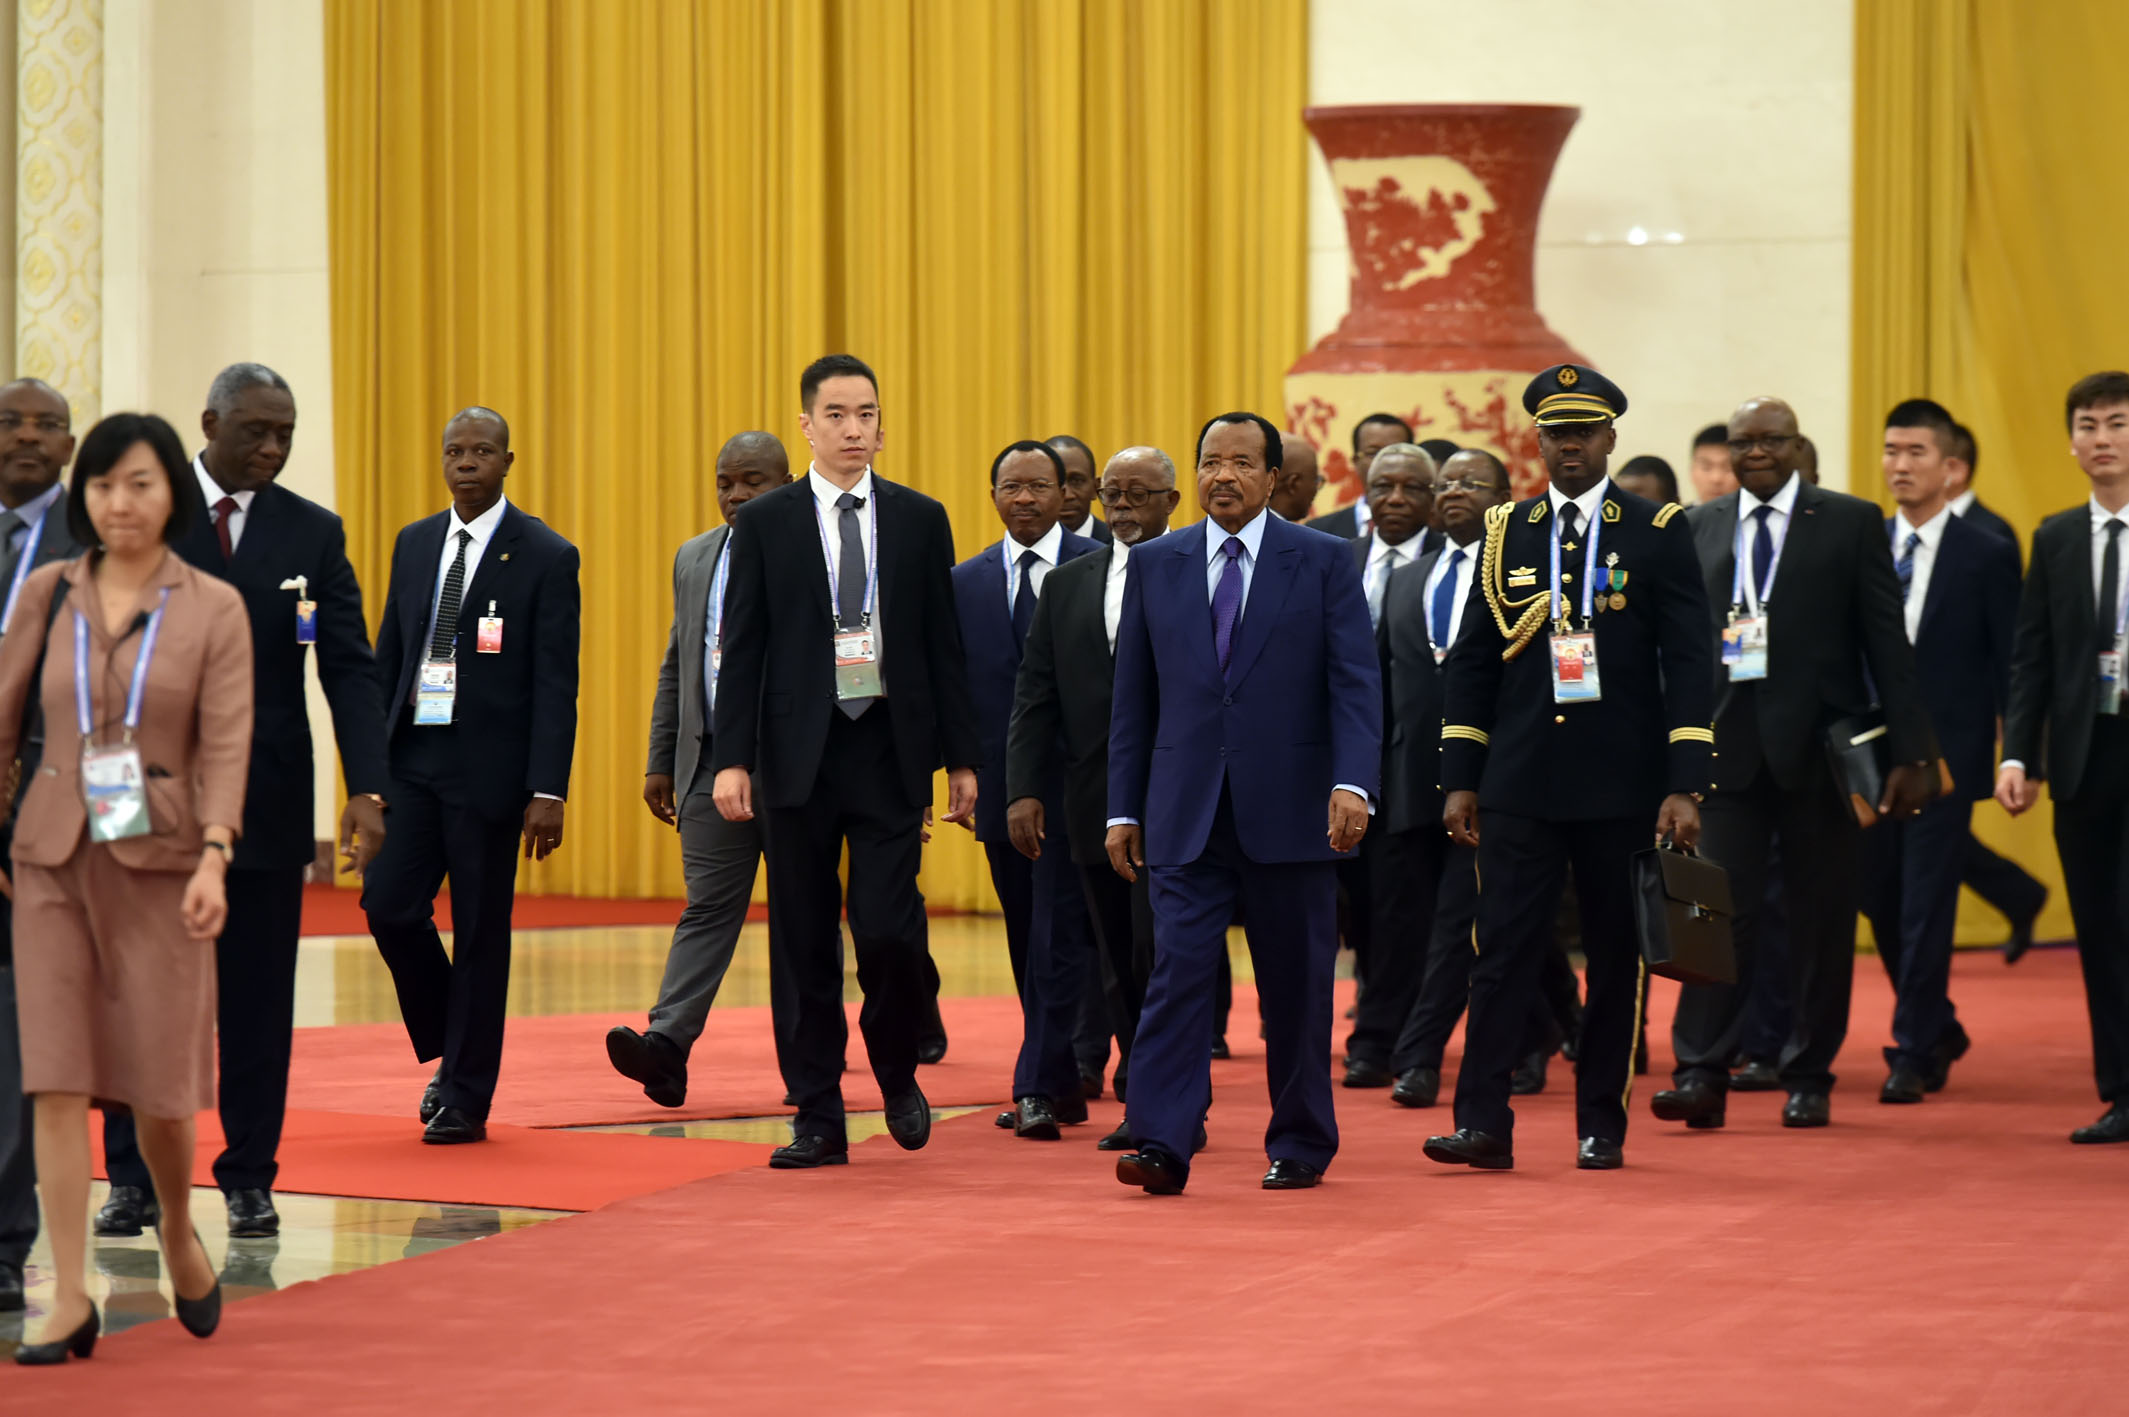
[1682, 915]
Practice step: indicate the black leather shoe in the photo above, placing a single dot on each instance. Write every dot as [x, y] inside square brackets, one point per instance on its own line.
[1197, 1140]
[1071, 1111]
[1597, 1154]
[127, 1210]
[1361, 1073]
[1807, 1109]
[432, 1098]
[1152, 1173]
[1949, 1050]
[1465, 1147]
[2111, 1127]
[651, 1059]
[1757, 1075]
[11, 1297]
[2014, 949]
[201, 1316]
[1008, 1119]
[805, 1153]
[1118, 1140]
[1038, 1120]
[1417, 1087]
[1904, 1086]
[1289, 1175]
[909, 1119]
[1090, 1085]
[252, 1215]
[1219, 1047]
[454, 1126]
[1696, 1104]
[932, 1049]
[1529, 1075]
[790, 1099]
[931, 1034]
[81, 1343]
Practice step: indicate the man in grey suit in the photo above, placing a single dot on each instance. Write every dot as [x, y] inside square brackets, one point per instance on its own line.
[36, 444]
[720, 857]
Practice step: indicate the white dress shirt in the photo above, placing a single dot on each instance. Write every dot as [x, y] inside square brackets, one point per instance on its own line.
[212, 491]
[1047, 548]
[831, 523]
[1112, 591]
[1458, 595]
[1932, 534]
[1383, 558]
[1784, 504]
[1363, 516]
[483, 529]
[712, 622]
[1963, 503]
[1216, 537]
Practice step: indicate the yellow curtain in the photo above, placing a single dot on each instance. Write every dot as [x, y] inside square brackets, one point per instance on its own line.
[628, 226]
[1986, 254]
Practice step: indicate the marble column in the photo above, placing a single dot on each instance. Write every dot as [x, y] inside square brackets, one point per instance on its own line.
[59, 199]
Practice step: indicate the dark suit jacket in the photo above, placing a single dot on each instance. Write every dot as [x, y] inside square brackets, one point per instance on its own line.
[2055, 659]
[1978, 515]
[1298, 711]
[1835, 630]
[779, 659]
[286, 535]
[994, 665]
[678, 720]
[519, 706]
[1093, 529]
[1963, 650]
[1344, 523]
[1067, 674]
[1411, 757]
[55, 543]
[1647, 737]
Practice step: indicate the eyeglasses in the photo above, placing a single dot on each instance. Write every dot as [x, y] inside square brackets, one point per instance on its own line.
[1772, 442]
[1133, 497]
[1467, 484]
[1014, 489]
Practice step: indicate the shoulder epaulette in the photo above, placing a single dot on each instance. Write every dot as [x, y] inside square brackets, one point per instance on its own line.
[1669, 510]
[1529, 612]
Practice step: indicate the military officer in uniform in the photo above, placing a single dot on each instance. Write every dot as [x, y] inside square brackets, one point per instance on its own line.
[1577, 729]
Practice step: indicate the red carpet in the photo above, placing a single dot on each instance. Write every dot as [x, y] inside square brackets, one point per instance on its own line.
[1957, 1257]
[331, 910]
[555, 1072]
[337, 1154]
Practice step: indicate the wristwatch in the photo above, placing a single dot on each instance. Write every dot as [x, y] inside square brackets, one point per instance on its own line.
[229, 853]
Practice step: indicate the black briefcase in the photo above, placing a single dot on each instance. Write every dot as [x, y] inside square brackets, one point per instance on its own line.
[1682, 914]
[1861, 754]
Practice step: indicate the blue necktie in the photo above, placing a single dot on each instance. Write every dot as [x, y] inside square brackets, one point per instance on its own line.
[1762, 549]
[1227, 601]
[1444, 601]
[1905, 566]
[1024, 599]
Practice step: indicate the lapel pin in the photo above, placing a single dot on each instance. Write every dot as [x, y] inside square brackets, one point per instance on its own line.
[506, 555]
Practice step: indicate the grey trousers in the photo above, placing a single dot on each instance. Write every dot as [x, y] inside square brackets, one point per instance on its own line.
[719, 859]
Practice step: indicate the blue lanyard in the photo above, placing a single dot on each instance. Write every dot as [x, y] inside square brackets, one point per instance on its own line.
[1589, 572]
[717, 585]
[139, 690]
[872, 565]
[22, 568]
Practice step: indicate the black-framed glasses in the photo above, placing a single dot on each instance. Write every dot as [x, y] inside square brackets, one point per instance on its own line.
[1133, 497]
[1772, 442]
[1042, 488]
[1466, 484]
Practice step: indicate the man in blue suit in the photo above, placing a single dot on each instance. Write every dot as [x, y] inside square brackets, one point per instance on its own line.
[1046, 931]
[1247, 695]
[1959, 588]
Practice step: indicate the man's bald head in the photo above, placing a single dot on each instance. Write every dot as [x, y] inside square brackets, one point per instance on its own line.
[1145, 476]
[1293, 494]
[748, 465]
[480, 413]
[1765, 448]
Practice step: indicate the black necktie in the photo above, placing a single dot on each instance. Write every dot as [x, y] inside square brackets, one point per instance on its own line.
[1762, 549]
[850, 566]
[1024, 598]
[2110, 588]
[1570, 524]
[442, 641]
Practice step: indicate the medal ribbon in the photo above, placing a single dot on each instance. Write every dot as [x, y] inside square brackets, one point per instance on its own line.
[137, 693]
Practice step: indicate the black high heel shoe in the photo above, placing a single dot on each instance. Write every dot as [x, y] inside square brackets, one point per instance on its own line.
[201, 1316]
[81, 1343]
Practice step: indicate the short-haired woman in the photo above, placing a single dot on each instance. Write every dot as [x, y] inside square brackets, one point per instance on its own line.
[142, 673]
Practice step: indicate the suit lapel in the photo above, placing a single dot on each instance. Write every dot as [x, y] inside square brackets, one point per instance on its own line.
[1716, 540]
[990, 596]
[2073, 565]
[886, 537]
[1184, 567]
[427, 547]
[256, 546]
[1089, 630]
[1268, 589]
[695, 579]
[1942, 572]
[494, 564]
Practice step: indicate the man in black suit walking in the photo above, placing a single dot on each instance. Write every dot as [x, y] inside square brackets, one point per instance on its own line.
[477, 654]
[845, 689]
[287, 556]
[1806, 616]
[36, 444]
[1959, 592]
[2065, 724]
[1061, 716]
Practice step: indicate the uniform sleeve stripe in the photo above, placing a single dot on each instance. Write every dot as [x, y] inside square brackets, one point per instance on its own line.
[1455, 730]
[1693, 735]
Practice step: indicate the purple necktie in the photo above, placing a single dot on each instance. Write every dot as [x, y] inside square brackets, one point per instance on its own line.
[1227, 600]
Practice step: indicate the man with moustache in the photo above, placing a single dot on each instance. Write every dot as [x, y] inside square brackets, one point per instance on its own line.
[1061, 718]
[1576, 714]
[996, 592]
[1300, 479]
[1805, 612]
[1078, 515]
[287, 556]
[477, 650]
[1370, 436]
[36, 444]
[719, 858]
[1247, 700]
[1959, 590]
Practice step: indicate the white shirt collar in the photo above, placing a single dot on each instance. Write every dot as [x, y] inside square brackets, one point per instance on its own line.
[2101, 516]
[1407, 550]
[1119, 557]
[212, 490]
[1783, 501]
[1963, 503]
[1252, 534]
[825, 492]
[1931, 531]
[1590, 504]
[1048, 546]
[482, 526]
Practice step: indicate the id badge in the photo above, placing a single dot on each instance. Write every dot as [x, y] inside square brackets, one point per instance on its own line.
[306, 622]
[857, 665]
[1574, 669]
[2110, 682]
[435, 692]
[1744, 648]
[115, 790]
[488, 635]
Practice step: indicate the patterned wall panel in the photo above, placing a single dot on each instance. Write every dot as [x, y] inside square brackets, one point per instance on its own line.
[59, 198]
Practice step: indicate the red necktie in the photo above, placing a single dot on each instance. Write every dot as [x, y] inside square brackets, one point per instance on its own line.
[223, 511]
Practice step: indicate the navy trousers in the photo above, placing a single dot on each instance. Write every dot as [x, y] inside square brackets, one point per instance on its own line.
[1290, 917]
[1911, 894]
[1059, 943]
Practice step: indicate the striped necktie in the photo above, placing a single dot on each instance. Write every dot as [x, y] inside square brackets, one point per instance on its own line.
[443, 640]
